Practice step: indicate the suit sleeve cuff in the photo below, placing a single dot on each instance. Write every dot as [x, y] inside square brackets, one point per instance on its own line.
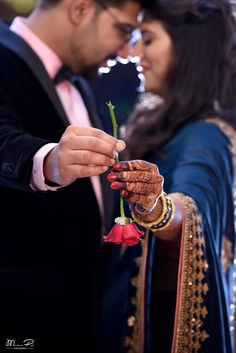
[38, 182]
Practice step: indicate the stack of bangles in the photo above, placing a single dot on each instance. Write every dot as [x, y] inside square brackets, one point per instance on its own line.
[164, 220]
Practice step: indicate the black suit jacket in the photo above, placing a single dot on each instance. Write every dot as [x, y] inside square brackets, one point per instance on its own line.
[50, 241]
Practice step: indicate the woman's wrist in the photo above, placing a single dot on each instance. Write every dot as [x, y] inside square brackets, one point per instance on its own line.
[148, 214]
[166, 217]
[154, 215]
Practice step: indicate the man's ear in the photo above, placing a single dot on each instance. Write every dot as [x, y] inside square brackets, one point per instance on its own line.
[78, 9]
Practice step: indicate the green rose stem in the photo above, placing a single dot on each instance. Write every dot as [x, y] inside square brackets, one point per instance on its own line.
[115, 128]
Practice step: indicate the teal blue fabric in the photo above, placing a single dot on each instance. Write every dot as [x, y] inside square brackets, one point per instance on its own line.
[197, 162]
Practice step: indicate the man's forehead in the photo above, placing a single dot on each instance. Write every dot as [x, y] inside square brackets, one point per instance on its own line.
[128, 12]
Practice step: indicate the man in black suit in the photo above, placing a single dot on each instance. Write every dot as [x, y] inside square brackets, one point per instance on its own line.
[50, 162]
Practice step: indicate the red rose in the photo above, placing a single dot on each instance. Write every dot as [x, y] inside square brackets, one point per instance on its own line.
[124, 232]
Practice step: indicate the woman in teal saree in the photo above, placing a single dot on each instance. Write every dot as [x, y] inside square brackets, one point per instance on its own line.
[174, 291]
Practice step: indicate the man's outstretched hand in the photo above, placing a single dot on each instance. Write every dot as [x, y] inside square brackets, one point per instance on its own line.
[81, 152]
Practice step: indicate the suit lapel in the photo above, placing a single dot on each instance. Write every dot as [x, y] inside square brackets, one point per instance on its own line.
[17, 45]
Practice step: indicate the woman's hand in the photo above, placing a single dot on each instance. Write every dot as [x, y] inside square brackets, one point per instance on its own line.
[139, 182]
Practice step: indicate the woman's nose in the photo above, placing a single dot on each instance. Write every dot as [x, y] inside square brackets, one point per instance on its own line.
[137, 49]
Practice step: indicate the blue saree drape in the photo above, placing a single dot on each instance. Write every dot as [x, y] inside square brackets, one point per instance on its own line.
[199, 166]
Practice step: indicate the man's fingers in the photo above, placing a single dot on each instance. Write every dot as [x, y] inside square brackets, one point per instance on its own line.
[89, 143]
[84, 157]
[120, 145]
[89, 171]
[89, 131]
[81, 171]
[74, 130]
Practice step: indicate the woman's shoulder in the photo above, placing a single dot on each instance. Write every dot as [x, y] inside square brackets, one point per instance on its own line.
[211, 132]
[206, 138]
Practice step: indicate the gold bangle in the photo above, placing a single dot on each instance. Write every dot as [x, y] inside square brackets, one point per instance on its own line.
[165, 211]
[167, 221]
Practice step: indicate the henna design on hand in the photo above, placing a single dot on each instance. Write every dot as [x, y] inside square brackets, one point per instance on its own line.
[139, 181]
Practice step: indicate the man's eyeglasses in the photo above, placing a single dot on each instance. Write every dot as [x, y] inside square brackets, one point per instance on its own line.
[125, 28]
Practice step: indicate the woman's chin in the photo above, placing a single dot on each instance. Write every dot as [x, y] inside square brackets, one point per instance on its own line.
[151, 88]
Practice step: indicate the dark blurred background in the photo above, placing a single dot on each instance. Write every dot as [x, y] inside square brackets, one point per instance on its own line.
[120, 85]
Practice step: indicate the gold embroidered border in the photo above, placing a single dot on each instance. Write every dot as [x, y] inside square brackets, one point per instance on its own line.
[190, 311]
[226, 254]
[231, 134]
[135, 342]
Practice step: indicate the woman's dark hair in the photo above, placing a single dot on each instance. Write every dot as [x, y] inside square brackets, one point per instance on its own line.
[202, 81]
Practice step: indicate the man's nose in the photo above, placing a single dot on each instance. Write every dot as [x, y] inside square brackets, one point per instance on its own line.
[124, 51]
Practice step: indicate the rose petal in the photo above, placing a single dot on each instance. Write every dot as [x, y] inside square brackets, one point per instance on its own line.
[128, 234]
[115, 235]
[131, 234]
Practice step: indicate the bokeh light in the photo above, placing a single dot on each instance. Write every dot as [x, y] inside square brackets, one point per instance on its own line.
[22, 6]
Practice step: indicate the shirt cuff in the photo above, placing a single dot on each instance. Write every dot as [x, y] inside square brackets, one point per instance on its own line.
[37, 182]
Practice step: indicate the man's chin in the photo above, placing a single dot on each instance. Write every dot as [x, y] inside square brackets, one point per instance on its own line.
[104, 63]
[91, 73]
